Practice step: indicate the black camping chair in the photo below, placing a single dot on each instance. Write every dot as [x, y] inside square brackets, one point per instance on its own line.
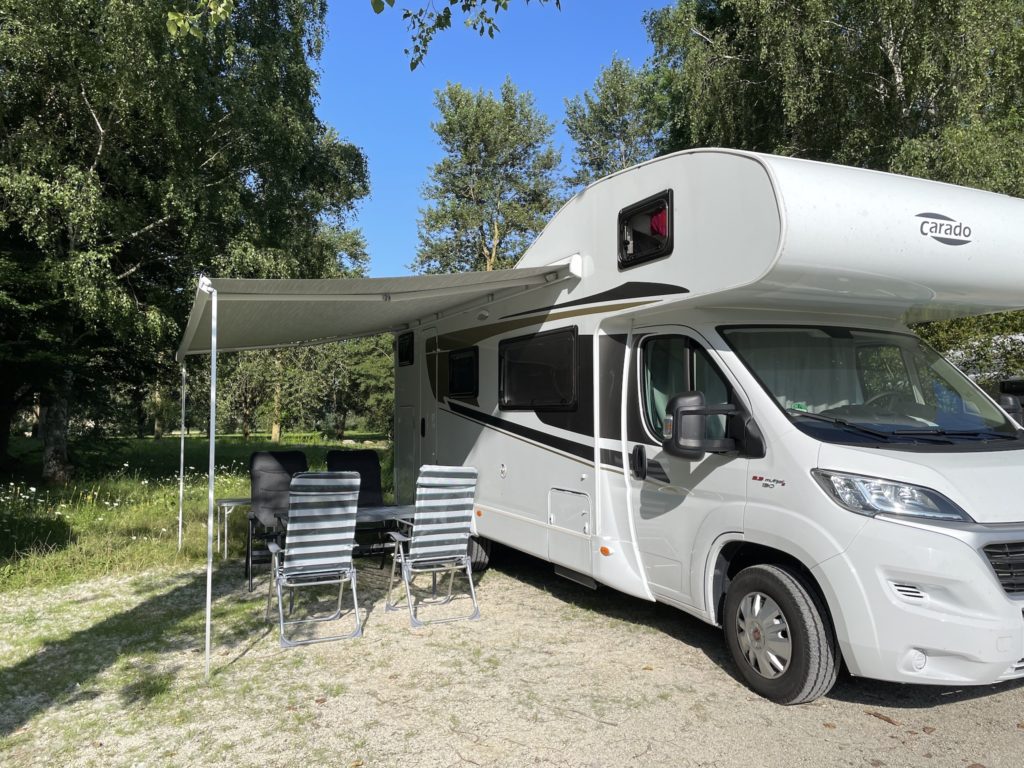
[365, 461]
[270, 473]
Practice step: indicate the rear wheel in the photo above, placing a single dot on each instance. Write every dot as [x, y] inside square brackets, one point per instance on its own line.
[479, 553]
[779, 635]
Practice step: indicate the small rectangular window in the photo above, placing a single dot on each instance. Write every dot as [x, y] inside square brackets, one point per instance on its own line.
[645, 230]
[463, 373]
[538, 372]
[405, 348]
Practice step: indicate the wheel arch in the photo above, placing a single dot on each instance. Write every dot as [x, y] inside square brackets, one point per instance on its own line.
[732, 555]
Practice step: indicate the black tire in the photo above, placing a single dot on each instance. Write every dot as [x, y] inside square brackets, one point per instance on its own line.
[801, 620]
[479, 553]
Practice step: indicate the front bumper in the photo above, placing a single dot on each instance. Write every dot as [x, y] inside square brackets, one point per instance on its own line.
[920, 603]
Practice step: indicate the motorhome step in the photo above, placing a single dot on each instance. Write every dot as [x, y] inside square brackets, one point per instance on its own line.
[580, 578]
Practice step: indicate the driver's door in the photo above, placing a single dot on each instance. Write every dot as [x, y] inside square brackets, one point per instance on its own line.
[680, 506]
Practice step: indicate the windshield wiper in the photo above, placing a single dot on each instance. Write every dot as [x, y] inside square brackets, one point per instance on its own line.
[981, 434]
[841, 422]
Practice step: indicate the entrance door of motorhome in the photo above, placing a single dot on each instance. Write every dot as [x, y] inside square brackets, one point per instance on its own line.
[428, 398]
[678, 505]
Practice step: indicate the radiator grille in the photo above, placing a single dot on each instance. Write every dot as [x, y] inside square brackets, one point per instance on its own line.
[1008, 562]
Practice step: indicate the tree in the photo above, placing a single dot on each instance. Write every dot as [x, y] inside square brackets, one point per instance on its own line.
[893, 85]
[496, 186]
[424, 22]
[131, 161]
[615, 126]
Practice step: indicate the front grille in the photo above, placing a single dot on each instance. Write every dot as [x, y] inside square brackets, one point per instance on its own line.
[1008, 562]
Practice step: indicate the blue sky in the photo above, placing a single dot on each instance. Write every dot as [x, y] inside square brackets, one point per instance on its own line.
[369, 95]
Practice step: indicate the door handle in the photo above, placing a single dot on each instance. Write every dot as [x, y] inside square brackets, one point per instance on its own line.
[638, 462]
[423, 427]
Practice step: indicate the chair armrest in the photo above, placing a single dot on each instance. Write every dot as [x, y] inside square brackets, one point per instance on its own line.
[274, 547]
[397, 537]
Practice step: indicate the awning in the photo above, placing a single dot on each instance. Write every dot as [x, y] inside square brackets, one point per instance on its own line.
[262, 314]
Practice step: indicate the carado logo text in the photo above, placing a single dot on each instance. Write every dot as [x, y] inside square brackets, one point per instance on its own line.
[944, 229]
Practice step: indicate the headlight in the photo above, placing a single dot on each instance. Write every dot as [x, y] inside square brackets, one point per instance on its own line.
[875, 496]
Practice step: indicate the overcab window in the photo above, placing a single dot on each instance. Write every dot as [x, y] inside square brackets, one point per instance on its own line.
[645, 230]
[538, 372]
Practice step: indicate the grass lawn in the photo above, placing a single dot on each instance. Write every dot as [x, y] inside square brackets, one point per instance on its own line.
[120, 514]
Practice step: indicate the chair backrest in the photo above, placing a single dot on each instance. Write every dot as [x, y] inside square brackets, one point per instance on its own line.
[321, 522]
[444, 512]
[366, 462]
[270, 474]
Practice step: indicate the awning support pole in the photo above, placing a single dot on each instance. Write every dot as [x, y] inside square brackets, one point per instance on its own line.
[205, 285]
[181, 471]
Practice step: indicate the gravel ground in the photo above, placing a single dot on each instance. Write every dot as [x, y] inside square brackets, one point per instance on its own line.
[110, 673]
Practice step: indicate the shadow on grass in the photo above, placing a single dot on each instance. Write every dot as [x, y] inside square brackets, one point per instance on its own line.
[63, 671]
[710, 641]
[29, 534]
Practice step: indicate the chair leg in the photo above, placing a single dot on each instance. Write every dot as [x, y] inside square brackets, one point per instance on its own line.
[248, 554]
[272, 582]
[407, 579]
[355, 606]
[472, 590]
[388, 605]
[285, 642]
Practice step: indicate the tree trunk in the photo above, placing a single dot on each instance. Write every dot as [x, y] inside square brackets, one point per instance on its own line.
[53, 413]
[158, 419]
[7, 411]
[275, 425]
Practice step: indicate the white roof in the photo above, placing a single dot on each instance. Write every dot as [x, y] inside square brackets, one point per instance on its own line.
[262, 314]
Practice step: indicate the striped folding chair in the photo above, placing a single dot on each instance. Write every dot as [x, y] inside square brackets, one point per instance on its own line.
[438, 542]
[320, 535]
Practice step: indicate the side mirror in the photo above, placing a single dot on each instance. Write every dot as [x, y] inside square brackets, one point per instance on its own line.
[686, 424]
[1011, 404]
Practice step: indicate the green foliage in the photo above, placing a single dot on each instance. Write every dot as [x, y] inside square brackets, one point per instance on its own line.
[614, 127]
[496, 186]
[426, 21]
[132, 160]
[848, 82]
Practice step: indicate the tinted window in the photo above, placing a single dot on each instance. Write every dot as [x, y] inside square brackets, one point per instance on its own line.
[538, 372]
[463, 373]
[405, 347]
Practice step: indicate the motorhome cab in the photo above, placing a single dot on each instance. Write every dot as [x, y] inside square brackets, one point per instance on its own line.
[717, 405]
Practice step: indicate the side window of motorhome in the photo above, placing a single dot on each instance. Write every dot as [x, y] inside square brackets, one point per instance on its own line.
[645, 230]
[463, 372]
[671, 365]
[405, 348]
[538, 372]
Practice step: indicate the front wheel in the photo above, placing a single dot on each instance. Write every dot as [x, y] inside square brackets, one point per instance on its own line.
[779, 635]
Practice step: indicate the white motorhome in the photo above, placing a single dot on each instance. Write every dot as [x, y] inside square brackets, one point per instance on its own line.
[717, 404]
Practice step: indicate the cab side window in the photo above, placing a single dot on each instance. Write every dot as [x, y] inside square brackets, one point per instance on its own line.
[671, 365]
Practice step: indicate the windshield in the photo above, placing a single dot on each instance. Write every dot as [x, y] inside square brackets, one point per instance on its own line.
[855, 386]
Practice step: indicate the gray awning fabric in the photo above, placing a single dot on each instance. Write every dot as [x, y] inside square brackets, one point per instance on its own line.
[262, 314]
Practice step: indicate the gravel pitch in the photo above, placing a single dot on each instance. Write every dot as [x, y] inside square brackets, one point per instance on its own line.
[110, 673]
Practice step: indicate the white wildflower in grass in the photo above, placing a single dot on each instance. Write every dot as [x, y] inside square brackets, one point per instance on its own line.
[31, 489]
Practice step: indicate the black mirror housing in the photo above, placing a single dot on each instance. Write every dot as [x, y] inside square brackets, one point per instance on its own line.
[686, 422]
[1011, 404]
